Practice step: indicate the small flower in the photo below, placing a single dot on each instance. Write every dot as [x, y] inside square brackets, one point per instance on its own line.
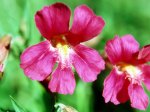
[64, 108]
[63, 47]
[4, 49]
[129, 72]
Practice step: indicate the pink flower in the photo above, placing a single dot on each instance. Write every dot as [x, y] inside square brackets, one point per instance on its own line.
[129, 72]
[63, 47]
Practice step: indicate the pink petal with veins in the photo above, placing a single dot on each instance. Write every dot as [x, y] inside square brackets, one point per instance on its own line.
[121, 49]
[144, 53]
[37, 61]
[86, 25]
[112, 85]
[62, 80]
[87, 62]
[138, 97]
[53, 20]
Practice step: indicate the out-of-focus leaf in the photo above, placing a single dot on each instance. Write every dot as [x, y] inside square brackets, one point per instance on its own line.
[81, 99]
[10, 13]
[16, 106]
[24, 90]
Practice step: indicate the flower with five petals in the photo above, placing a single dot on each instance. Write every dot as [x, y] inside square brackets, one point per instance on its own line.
[130, 71]
[62, 46]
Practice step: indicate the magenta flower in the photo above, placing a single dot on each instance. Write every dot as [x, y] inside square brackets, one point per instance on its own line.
[129, 72]
[63, 47]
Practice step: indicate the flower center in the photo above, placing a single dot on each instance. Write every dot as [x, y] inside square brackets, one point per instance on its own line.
[61, 44]
[59, 40]
[63, 49]
[131, 71]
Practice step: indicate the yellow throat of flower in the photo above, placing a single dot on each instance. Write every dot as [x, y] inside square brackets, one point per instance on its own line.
[131, 70]
[62, 46]
[63, 49]
[59, 40]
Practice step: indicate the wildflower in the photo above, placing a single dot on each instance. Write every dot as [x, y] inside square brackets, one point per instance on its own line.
[4, 49]
[129, 72]
[63, 47]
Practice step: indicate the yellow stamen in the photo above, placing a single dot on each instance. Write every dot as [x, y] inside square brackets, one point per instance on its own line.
[61, 44]
[63, 49]
[132, 71]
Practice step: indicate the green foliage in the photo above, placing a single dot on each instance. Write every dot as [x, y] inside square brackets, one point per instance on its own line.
[81, 99]
[16, 106]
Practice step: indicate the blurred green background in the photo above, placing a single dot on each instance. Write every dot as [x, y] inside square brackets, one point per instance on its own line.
[17, 19]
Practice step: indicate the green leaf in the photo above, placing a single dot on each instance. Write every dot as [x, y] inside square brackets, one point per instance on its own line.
[11, 14]
[83, 100]
[16, 106]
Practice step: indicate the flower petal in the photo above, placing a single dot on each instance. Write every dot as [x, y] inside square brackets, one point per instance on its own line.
[62, 80]
[121, 49]
[144, 53]
[138, 97]
[1, 67]
[86, 25]
[87, 62]
[53, 20]
[37, 61]
[123, 96]
[112, 85]
[146, 75]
